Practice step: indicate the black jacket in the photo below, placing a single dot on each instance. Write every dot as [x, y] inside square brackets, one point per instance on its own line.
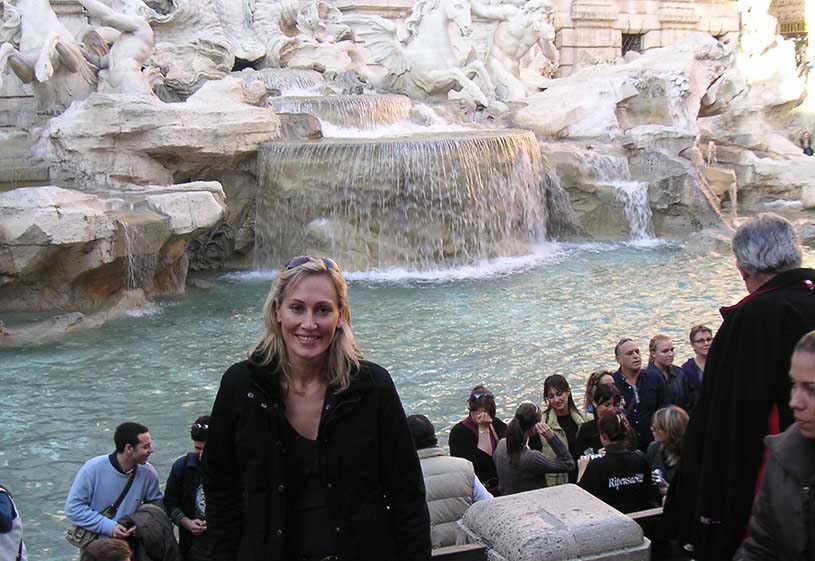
[179, 497]
[621, 479]
[464, 444]
[372, 475]
[783, 527]
[746, 375]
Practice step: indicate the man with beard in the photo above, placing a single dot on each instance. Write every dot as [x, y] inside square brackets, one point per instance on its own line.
[745, 391]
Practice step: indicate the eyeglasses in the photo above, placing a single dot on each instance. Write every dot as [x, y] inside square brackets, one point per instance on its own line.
[330, 264]
[705, 340]
[479, 395]
[200, 426]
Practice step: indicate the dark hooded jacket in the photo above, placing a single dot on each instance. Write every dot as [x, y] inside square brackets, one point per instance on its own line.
[370, 471]
[783, 524]
[746, 377]
[154, 538]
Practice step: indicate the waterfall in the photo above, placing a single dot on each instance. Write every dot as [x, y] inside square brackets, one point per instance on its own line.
[562, 219]
[287, 81]
[633, 195]
[417, 201]
[139, 263]
[604, 167]
[348, 110]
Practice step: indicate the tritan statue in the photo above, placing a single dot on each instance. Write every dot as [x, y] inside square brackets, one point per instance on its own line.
[420, 57]
[121, 68]
[41, 51]
[519, 29]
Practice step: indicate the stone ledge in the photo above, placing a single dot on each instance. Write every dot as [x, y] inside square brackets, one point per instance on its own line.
[562, 523]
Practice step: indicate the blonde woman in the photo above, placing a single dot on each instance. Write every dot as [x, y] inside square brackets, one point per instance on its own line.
[662, 357]
[668, 427]
[309, 455]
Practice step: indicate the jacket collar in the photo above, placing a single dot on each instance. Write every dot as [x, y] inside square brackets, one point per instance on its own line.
[784, 279]
[267, 380]
[552, 421]
[794, 453]
[431, 452]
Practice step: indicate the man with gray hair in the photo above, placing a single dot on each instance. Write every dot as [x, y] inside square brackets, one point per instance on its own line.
[745, 391]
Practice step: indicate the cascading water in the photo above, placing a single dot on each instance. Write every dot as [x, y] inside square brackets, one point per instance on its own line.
[632, 195]
[347, 110]
[562, 219]
[139, 263]
[289, 81]
[419, 201]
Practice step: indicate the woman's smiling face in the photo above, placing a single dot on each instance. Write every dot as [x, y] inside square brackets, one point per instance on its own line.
[309, 316]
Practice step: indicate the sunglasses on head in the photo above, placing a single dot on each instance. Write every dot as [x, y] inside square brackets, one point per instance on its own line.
[199, 426]
[479, 395]
[330, 264]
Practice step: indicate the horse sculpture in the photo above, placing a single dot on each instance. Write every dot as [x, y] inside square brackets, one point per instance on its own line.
[48, 57]
[420, 59]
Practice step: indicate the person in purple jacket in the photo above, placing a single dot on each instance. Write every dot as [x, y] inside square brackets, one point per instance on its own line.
[701, 336]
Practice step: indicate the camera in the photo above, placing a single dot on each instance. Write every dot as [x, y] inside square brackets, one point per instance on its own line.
[591, 454]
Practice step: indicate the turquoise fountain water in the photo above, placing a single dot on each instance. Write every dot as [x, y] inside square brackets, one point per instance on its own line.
[508, 323]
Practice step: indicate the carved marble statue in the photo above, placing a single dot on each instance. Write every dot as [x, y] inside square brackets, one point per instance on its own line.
[520, 29]
[121, 68]
[758, 27]
[46, 55]
[311, 37]
[420, 59]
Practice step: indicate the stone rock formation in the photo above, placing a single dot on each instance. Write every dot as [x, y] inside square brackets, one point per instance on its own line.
[112, 140]
[748, 113]
[67, 250]
[663, 87]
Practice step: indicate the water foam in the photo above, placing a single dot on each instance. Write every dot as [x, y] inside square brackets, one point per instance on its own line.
[149, 309]
[547, 252]
[401, 128]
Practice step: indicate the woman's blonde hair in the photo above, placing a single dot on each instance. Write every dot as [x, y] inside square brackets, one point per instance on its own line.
[652, 345]
[343, 353]
[673, 421]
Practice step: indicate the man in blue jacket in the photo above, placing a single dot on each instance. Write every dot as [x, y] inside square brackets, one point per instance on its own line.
[644, 391]
[102, 479]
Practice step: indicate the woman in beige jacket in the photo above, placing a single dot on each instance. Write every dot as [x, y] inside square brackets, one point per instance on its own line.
[563, 417]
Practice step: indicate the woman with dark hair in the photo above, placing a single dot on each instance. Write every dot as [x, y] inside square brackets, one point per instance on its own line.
[607, 399]
[521, 469]
[563, 417]
[596, 378]
[308, 454]
[476, 436]
[621, 477]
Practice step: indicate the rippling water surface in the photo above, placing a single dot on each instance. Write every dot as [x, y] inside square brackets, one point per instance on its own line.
[508, 323]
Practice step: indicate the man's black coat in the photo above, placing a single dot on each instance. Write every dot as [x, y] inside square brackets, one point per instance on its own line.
[746, 376]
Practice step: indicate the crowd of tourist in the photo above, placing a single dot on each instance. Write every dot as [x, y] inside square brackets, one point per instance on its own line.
[308, 455]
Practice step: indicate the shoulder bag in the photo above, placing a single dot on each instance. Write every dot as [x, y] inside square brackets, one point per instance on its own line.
[79, 536]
